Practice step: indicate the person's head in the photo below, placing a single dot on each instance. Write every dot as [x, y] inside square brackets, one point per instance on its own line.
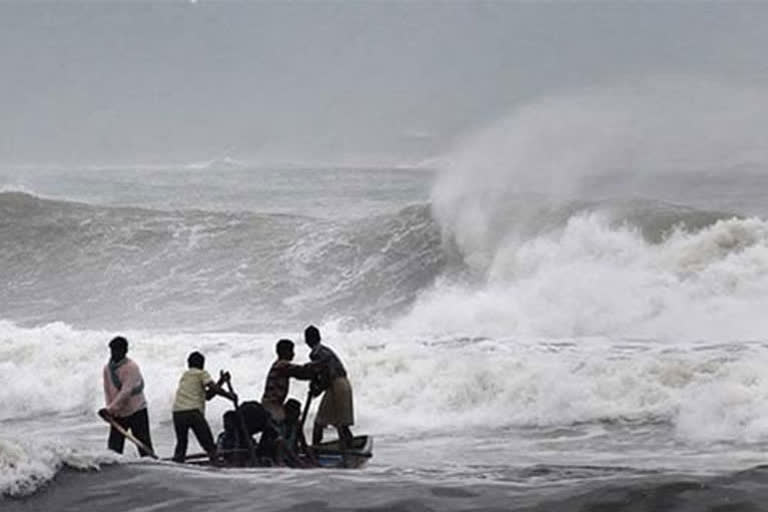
[312, 336]
[285, 350]
[230, 421]
[255, 416]
[292, 410]
[118, 348]
[196, 360]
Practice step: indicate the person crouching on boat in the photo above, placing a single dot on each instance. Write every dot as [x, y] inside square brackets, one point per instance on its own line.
[231, 443]
[336, 406]
[278, 379]
[236, 443]
[195, 387]
[124, 397]
[294, 444]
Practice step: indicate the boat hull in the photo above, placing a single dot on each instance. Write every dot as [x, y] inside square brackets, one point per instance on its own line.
[328, 454]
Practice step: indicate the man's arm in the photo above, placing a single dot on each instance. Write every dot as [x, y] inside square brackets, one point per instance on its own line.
[215, 388]
[130, 380]
[106, 386]
[103, 412]
[318, 372]
[302, 371]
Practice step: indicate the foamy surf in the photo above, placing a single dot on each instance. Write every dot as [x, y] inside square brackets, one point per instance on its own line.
[420, 383]
[26, 466]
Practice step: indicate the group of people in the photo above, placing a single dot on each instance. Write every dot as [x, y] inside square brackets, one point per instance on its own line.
[276, 418]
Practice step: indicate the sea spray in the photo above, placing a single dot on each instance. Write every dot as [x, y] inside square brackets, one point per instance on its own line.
[590, 278]
[622, 142]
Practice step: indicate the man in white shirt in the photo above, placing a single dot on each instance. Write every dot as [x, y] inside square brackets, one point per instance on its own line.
[124, 397]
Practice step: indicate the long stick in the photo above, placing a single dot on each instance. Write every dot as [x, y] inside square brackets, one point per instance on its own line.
[129, 436]
[309, 451]
[243, 427]
[306, 410]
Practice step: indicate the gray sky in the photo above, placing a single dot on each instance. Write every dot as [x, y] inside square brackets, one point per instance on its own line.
[125, 82]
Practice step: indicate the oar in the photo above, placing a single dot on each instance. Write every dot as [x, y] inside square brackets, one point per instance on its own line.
[243, 427]
[128, 435]
[306, 410]
[309, 451]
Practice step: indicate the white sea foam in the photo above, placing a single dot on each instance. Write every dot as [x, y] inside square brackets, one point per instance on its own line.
[56, 369]
[422, 383]
[582, 272]
[491, 384]
[26, 466]
[590, 278]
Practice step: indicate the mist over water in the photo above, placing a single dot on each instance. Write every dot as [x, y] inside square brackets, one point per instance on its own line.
[618, 211]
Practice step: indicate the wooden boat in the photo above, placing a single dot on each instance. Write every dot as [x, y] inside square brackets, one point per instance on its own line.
[329, 455]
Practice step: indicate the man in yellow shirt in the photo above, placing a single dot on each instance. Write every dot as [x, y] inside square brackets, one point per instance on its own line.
[195, 387]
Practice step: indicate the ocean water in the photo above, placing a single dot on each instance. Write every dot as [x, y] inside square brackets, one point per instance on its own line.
[597, 343]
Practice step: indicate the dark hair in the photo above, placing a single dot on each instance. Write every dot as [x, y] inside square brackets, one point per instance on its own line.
[196, 360]
[229, 419]
[284, 347]
[292, 404]
[119, 343]
[255, 416]
[312, 335]
[292, 408]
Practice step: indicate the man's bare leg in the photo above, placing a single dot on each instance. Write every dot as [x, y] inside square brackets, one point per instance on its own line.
[345, 437]
[345, 442]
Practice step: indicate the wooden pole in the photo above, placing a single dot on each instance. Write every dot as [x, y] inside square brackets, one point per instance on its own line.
[129, 436]
[243, 428]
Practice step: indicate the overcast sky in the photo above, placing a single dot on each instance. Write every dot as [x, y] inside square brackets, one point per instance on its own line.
[101, 82]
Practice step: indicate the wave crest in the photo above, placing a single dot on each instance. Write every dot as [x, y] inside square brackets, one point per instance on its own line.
[26, 467]
[209, 269]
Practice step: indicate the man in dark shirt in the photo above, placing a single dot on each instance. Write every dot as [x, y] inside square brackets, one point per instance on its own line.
[278, 379]
[336, 407]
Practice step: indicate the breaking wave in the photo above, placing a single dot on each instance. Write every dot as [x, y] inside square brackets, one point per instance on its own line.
[584, 214]
[95, 265]
[631, 268]
[25, 466]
